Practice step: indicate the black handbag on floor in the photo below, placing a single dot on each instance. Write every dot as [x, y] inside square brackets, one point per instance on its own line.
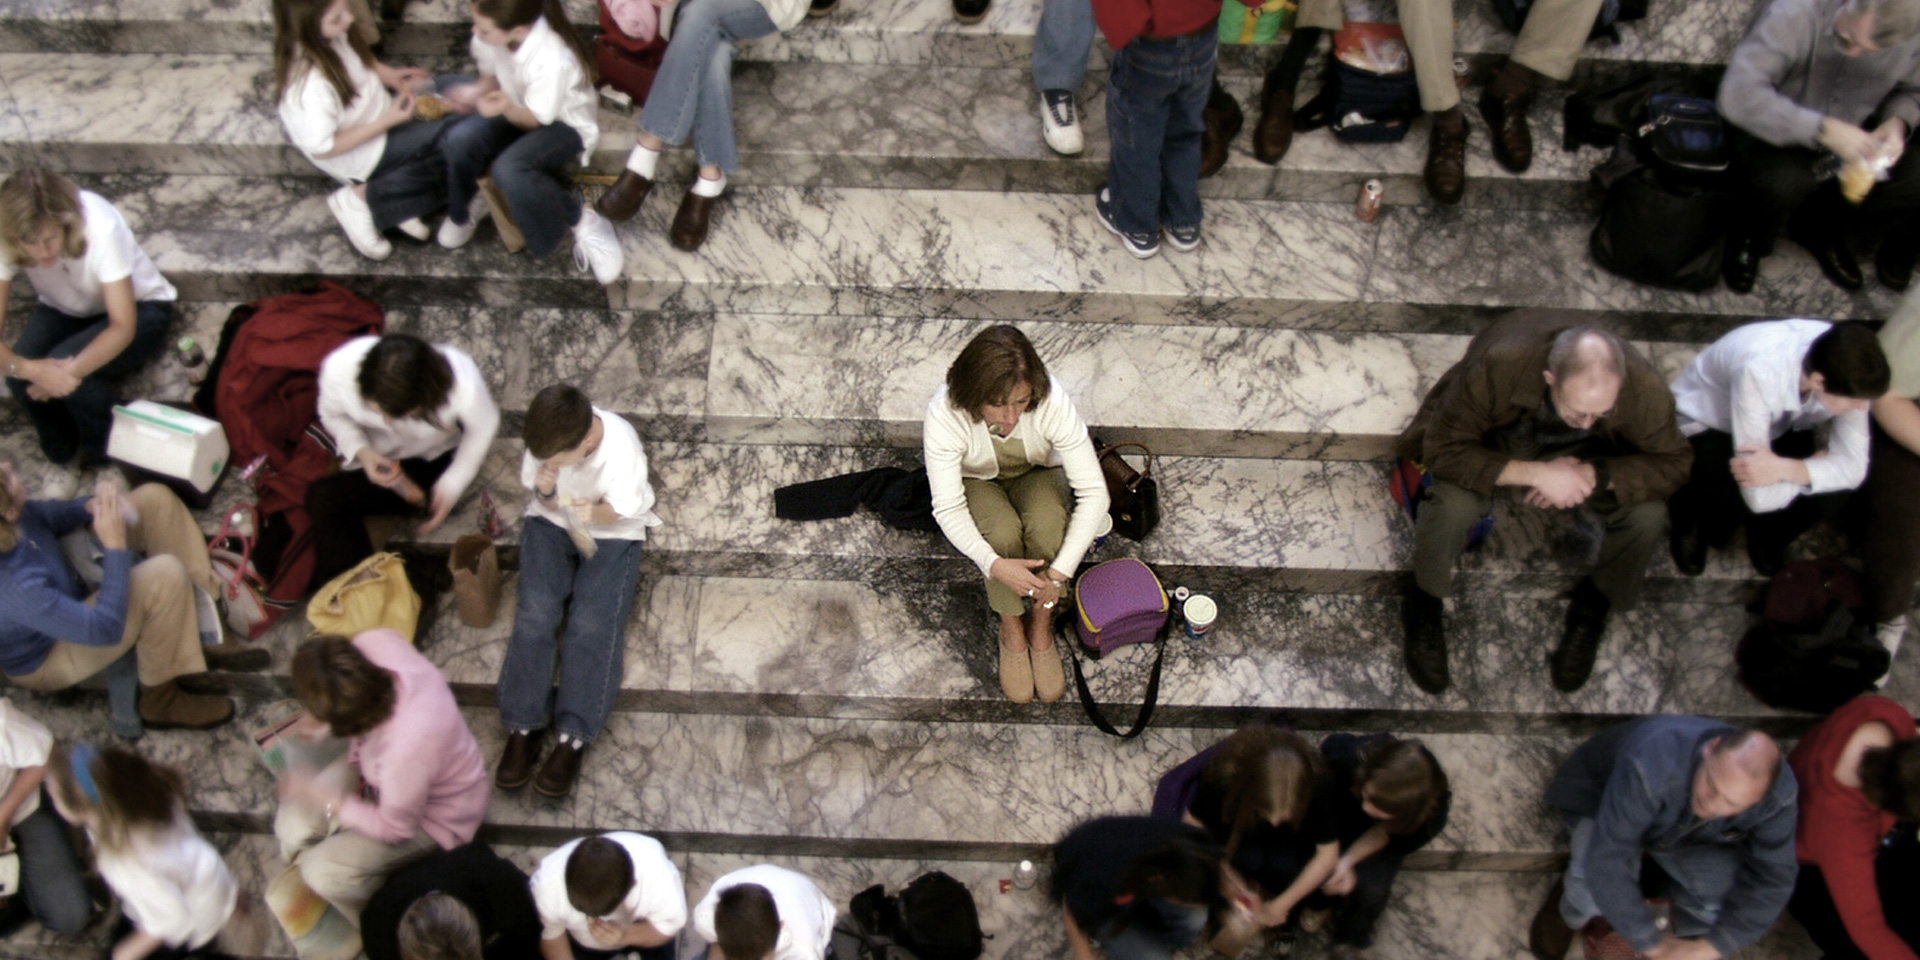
[1133, 495]
[1663, 221]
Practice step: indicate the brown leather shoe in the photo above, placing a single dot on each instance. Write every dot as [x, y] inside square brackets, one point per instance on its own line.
[1507, 123]
[560, 771]
[516, 761]
[690, 221]
[1273, 135]
[1447, 161]
[623, 199]
[1550, 938]
[1223, 122]
[167, 707]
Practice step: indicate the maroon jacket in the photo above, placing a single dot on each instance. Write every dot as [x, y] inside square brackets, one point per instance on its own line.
[1123, 20]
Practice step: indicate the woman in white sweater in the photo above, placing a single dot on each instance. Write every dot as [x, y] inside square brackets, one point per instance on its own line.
[1003, 446]
[412, 422]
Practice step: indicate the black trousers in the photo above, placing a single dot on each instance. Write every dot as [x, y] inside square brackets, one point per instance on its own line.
[1778, 190]
[1711, 497]
[1888, 529]
[1897, 871]
[1356, 914]
[339, 506]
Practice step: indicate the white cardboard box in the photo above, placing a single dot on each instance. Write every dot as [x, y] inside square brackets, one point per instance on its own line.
[171, 442]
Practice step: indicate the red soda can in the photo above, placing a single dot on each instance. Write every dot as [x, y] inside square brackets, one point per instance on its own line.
[1368, 208]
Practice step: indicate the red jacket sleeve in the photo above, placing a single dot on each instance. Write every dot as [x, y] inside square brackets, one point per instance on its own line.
[1844, 850]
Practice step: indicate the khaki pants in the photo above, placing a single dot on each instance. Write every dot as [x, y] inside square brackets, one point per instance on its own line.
[162, 626]
[343, 867]
[1549, 43]
[1448, 511]
[1023, 518]
[365, 22]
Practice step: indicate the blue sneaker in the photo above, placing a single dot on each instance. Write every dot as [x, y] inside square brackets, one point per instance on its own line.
[1183, 239]
[1141, 245]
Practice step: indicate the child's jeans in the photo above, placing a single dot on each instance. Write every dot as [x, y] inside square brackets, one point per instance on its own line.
[1156, 94]
[534, 168]
[593, 595]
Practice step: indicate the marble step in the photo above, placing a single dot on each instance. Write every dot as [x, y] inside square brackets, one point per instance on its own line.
[938, 253]
[801, 124]
[864, 31]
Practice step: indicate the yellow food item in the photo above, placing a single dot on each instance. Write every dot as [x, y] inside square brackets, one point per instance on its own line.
[429, 107]
[1856, 179]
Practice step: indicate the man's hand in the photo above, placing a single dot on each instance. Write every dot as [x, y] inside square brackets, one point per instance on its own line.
[606, 931]
[442, 506]
[1760, 467]
[52, 379]
[547, 482]
[1892, 135]
[1674, 948]
[398, 112]
[1848, 142]
[1341, 882]
[493, 103]
[380, 470]
[109, 521]
[1021, 576]
[1562, 483]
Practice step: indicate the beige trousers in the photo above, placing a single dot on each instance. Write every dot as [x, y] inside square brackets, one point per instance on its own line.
[162, 626]
[1023, 518]
[343, 867]
[1549, 43]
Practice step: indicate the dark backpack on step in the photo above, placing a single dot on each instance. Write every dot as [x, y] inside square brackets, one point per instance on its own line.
[933, 918]
[1815, 648]
[1361, 106]
[1513, 13]
[1662, 222]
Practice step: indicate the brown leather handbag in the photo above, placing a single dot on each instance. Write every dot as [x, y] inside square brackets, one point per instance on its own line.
[1134, 494]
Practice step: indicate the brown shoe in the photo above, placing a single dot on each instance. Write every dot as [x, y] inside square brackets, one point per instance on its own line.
[516, 761]
[1223, 122]
[1049, 676]
[1507, 123]
[1273, 135]
[237, 657]
[1551, 938]
[623, 199]
[690, 221]
[560, 771]
[1447, 158]
[167, 707]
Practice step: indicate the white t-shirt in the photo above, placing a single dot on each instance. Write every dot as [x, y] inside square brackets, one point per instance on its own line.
[74, 286]
[616, 472]
[172, 883]
[312, 113]
[657, 896]
[468, 421]
[545, 77]
[24, 742]
[806, 915]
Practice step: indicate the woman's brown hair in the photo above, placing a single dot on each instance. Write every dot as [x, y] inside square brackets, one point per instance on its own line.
[406, 378]
[296, 37]
[29, 201]
[129, 791]
[1264, 774]
[1402, 780]
[1890, 777]
[9, 533]
[513, 14]
[992, 364]
[439, 927]
[340, 687]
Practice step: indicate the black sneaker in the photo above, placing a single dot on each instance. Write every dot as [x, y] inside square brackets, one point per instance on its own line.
[1572, 661]
[1426, 640]
[1688, 545]
[971, 11]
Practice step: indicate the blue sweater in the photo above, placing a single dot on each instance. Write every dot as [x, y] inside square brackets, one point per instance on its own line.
[1636, 782]
[43, 602]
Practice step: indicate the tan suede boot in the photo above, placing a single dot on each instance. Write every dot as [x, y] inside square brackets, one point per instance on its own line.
[167, 707]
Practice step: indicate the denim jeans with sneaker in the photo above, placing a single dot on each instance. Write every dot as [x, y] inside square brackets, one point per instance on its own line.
[693, 92]
[533, 168]
[1156, 93]
[1702, 874]
[410, 180]
[79, 422]
[1061, 44]
[590, 658]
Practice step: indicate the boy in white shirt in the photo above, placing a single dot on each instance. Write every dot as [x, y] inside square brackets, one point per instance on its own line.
[585, 523]
[603, 895]
[1753, 405]
[764, 912]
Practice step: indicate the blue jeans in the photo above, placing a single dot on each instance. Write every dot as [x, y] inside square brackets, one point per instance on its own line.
[79, 422]
[1156, 93]
[592, 655]
[693, 92]
[534, 168]
[411, 178]
[52, 879]
[1703, 874]
[1158, 936]
[1061, 44]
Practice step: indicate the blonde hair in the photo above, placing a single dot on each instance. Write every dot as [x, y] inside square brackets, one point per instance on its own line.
[9, 534]
[29, 201]
[439, 927]
[129, 792]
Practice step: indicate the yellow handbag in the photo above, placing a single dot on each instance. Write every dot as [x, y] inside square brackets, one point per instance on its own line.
[372, 595]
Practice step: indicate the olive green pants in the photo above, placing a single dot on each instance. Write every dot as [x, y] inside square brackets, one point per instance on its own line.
[1024, 518]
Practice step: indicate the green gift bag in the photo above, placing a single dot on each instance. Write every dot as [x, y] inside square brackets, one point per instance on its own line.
[1256, 25]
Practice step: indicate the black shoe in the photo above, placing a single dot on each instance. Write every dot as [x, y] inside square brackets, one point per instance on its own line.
[1767, 555]
[1222, 122]
[560, 771]
[1836, 260]
[1426, 640]
[970, 11]
[1689, 547]
[516, 761]
[1894, 263]
[820, 8]
[1550, 938]
[1572, 661]
[1741, 266]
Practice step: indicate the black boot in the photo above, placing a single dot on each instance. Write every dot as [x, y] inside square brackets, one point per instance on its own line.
[1688, 544]
[1741, 266]
[1572, 661]
[1426, 640]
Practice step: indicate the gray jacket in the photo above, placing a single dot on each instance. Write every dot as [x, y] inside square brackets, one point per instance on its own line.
[1789, 72]
[1636, 783]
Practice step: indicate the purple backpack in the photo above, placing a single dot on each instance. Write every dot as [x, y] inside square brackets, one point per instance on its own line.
[1117, 603]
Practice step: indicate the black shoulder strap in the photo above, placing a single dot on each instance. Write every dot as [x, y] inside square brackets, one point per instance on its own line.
[1152, 699]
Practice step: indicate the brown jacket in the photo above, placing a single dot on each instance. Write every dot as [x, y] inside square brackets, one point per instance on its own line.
[1500, 381]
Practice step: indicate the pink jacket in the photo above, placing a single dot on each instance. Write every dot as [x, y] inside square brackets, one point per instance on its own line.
[423, 760]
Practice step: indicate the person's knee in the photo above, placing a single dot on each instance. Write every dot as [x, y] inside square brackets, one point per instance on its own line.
[328, 877]
[1006, 535]
[1646, 519]
[65, 911]
[159, 577]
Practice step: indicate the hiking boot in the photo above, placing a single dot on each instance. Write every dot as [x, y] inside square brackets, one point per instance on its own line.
[562, 768]
[1550, 938]
[1426, 640]
[1446, 170]
[167, 707]
[1572, 661]
[1273, 135]
[516, 761]
[1222, 121]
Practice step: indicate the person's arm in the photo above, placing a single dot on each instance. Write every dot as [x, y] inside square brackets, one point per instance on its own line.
[53, 378]
[1067, 432]
[1845, 465]
[1456, 448]
[1844, 851]
[36, 602]
[26, 781]
[137, 946]
[1750, 96]
[556, 948]
[1368, 844]
[1627, 810]
[942, 449]
[1901, 106]
[496, 103]
[1752, 419]
[1900, 417]
[1765, 881]
[348, 139]
[340, 400]
[1276, 911]
[408, 778]
[644, 934]
[1077, 938]
[479, 421]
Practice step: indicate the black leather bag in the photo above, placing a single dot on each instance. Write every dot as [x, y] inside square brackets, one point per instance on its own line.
[1134, 495]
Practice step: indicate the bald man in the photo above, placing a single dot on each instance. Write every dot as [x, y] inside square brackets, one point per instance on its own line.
[1713, 805]
[1576, 419]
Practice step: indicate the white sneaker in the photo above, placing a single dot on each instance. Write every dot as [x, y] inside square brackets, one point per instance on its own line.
[58, 483]
[1890, 634]
[453, 236]
[356, 218]
[417, 229]
[596, 246]
[1060, 122]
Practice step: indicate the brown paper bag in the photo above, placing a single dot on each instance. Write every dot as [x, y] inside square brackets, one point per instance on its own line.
[503, 216]
[476, 579]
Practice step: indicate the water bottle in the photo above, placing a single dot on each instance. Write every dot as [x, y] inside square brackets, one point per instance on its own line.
[192, 359]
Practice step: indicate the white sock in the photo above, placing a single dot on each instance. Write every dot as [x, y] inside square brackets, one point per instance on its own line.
[702, 187]
[1890, 634]
[643, 161]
